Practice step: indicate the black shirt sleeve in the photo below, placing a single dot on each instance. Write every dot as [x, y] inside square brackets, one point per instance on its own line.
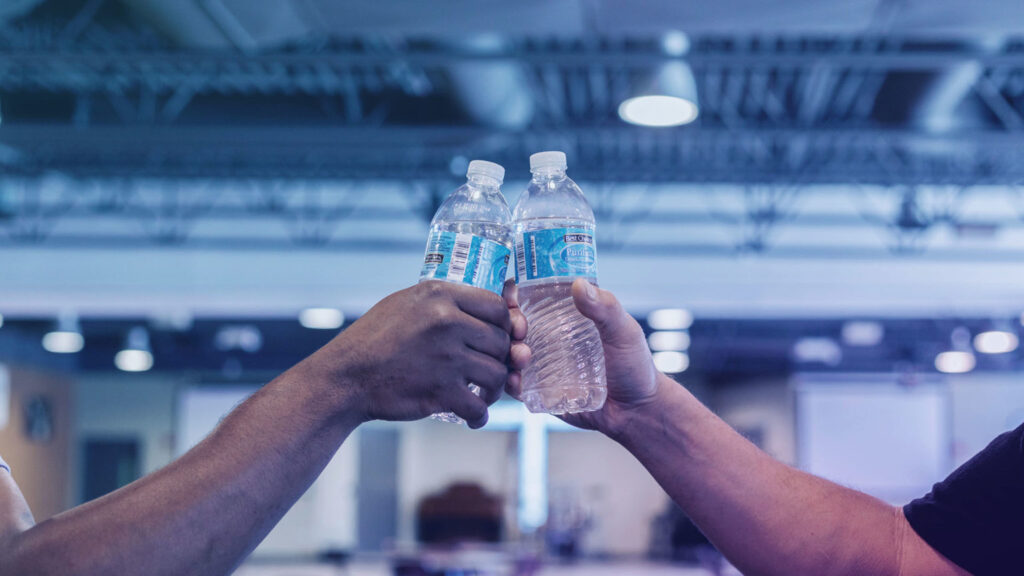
[976, 516]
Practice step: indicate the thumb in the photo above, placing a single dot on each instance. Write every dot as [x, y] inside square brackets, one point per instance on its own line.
[601, 306]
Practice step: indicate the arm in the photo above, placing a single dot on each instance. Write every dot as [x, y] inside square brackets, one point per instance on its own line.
[768, 518]
[15, 515]
[765, 517]
[203, 513]
[410, 356]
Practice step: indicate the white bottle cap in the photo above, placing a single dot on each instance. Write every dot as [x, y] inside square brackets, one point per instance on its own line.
[485, 168]
[551, 159]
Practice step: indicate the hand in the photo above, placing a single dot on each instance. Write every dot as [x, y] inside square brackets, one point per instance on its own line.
[519, 352]
[415, 352]
[633, 381]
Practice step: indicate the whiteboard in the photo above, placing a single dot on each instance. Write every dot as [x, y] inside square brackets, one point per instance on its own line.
[887, 440]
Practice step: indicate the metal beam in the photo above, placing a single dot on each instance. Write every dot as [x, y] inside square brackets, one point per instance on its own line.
[920, 60]
[669, 249]
[53, 68]
[610, 154]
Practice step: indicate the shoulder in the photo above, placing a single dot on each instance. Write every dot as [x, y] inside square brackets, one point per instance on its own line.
[973, 516]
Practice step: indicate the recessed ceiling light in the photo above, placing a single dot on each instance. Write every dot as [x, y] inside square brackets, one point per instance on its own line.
[133, 360]
[823, 350]
[63, 342]
[955, 362]
[66, 338]
[136, 355]
[863, 333]
[670, 319]
[996, 342]
[322, 318]
[671, 362]
[669, 341]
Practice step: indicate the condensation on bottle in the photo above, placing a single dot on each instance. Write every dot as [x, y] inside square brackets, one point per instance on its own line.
[555, 244]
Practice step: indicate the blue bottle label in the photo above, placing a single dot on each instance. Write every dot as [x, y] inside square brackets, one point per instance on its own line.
[467, 259]
[556, 253]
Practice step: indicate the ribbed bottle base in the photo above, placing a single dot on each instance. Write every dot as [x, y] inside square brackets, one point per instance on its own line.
[565, 399]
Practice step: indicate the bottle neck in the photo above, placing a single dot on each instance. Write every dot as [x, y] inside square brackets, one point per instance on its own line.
[552, 173]
[484, 183]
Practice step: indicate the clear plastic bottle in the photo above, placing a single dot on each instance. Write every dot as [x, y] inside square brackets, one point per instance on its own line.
[470, 239]
[554, 241]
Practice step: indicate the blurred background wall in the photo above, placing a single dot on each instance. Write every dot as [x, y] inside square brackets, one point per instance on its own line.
[822, 235]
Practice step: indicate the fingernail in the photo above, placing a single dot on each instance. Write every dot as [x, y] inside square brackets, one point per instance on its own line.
[591, 291]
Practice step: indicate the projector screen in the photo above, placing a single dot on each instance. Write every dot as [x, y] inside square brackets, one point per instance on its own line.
[890, 441]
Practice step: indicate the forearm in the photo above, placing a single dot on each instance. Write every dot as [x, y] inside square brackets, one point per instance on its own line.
[767, 518]
[205, 512]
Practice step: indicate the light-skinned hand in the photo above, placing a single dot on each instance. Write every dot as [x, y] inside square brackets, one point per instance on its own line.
[632, 379]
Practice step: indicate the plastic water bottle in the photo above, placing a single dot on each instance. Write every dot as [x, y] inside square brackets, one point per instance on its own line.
[554, 241]
[470, 238]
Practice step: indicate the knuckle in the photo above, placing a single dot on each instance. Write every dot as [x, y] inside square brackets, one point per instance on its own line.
[492, 374]
[634, 329]
[496, 301]
[442, 314]
[446, 354]
[436, 288]
[503, 313]
[500, 342]
[499, 377]
[439, 388]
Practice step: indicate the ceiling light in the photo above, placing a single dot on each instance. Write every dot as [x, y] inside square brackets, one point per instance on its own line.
[671, 362]
[996, 342]
[61, 342]
[322, 318]
[246, 338]
[663, 341]
[658, 111]
[675, 43]
[960, 338]
[863, 333]
[824, 350]
[133, 360]
[458, 165]
[670, 319]
[670, 100]
[955, 362]
[136, 355]
[174, 320]
[67, 338]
